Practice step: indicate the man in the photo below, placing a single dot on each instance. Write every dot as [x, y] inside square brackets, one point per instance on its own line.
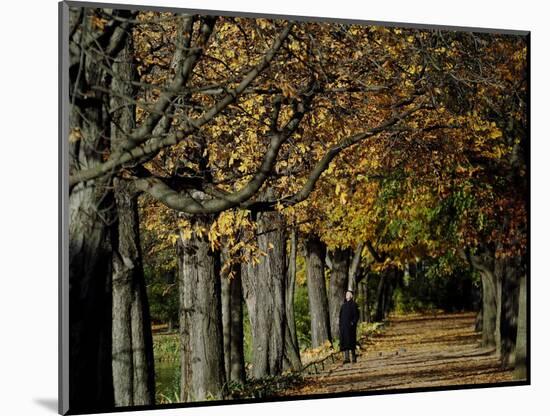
[349, 316]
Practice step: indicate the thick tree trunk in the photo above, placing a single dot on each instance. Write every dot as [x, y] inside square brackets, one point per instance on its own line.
[90, 373]
[237, 369]
[264, 292]
[520, 370]
[132, 349]
[292, 351]
[202, 361]
[338, 286]
[317, 292]
[232, 322]
[479, 320]
[488, 280]
[479, 316]
[90, 216]
[484, 263]
[509, 311]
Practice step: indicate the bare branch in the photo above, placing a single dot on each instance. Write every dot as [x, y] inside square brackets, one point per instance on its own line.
[117, 159]
[192, 204]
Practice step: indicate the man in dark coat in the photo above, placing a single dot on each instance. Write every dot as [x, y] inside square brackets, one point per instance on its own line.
[349, 316]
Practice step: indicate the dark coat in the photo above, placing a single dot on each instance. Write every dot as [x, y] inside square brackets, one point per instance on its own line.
[349, 316]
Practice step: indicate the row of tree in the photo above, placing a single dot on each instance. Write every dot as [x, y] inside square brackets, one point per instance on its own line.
[231, 138]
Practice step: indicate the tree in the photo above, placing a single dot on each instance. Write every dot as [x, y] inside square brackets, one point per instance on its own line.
[90, 214]
[338, 285]
[132, 350]
[264, 291]
[317, 292]
[202, 361]
[356, 135]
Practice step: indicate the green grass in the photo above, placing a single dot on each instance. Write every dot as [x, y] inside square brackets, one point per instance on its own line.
[166, 347]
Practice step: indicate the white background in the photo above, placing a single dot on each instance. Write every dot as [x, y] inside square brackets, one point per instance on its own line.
[29, 194]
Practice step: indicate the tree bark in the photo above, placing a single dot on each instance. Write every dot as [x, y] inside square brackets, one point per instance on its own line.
[380, 298]
[202, 360]
[237, 369]
[90, 216]
[232, 322]
[338, 286]
[292, 351]
[394, 275]
[365, 309]
[90, 372]
[488, 337]
[354, 267]
[498, 273]
[132, 348]
[484, 263]
[132, 342]
[264, 292]
[509, 311]
[291, 286]
[479, 316]
[226, 323]
[520, 370]
[317, 293]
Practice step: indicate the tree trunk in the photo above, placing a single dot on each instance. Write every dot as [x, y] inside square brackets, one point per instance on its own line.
[202, 361]
[383, 294]
[237, 369]
[364, 286]
[132, 349]
[479, 316]
[316, 290]
[264, 292]
[232, 322]
[90, 216]
[520, 370]
[498, 272]
[486, 265]
[226, 323]
[354, 267]
[509, 311]
[292, 351]
[338, 286]
[90, 372]
[291, 287]
[488, 337]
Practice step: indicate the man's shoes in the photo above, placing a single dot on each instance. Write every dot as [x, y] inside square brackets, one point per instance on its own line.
[346, 357]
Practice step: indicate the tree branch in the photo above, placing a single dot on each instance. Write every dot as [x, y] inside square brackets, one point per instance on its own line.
[324, 163]
[377, 257]
[117, 159]
[198, 204]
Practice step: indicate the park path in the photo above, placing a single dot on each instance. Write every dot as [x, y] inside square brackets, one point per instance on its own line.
[413, 351]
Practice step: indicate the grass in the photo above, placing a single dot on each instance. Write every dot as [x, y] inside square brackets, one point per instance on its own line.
[166, 347]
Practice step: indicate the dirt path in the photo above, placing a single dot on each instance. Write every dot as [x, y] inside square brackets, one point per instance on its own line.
[413, 351]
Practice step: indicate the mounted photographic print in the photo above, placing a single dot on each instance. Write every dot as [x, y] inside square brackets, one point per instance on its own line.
[265, 208]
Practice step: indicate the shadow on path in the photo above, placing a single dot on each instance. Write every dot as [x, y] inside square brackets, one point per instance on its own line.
[411, 352]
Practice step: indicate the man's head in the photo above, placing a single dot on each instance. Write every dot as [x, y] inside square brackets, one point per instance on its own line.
[349, 295]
